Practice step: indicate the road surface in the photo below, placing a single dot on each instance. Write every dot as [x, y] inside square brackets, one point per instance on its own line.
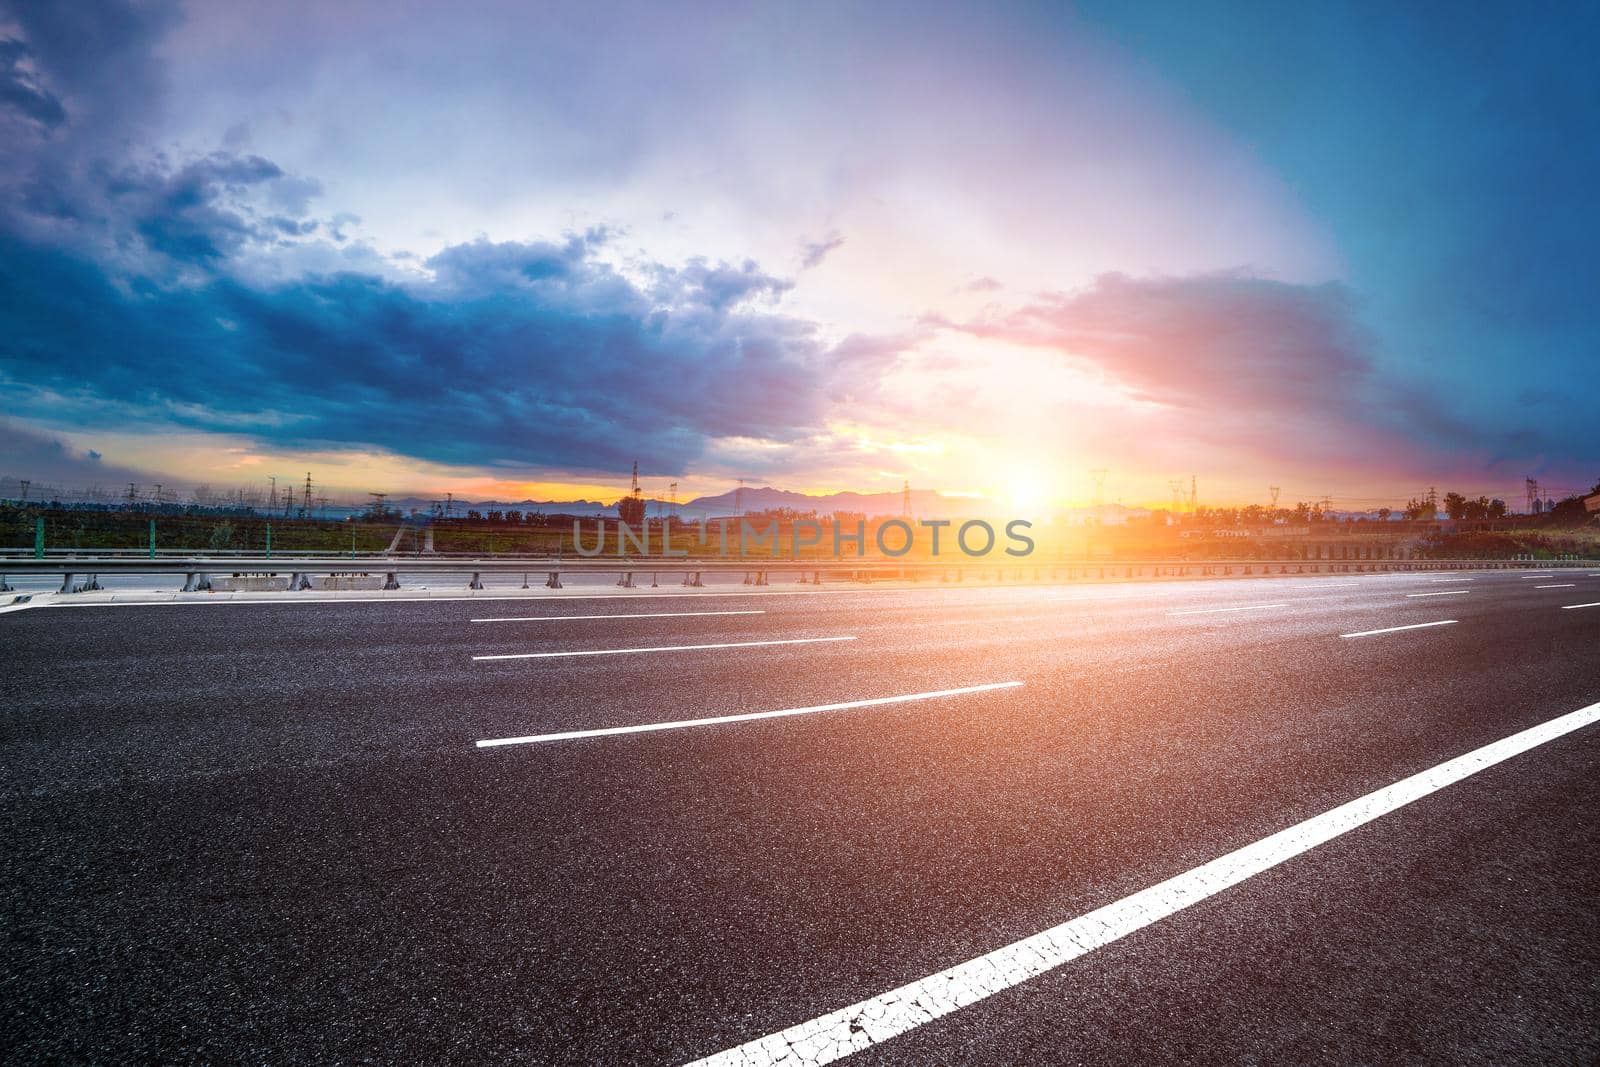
[269, 831]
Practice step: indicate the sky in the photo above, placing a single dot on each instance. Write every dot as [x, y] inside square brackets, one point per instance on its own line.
[508, 250]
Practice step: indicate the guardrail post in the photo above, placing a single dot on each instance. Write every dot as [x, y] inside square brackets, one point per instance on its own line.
[5, 586]
[199, 582]
[761, 577]
[66, 582]
[298, 581]
[626, 581]
[477, 581]
[391, 580]
[655, 580]
[553, 580]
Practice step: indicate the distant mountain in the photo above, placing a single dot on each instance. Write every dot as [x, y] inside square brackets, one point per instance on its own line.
[763, 498]
[924, 502]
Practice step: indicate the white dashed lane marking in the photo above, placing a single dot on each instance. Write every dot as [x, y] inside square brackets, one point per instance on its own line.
[1213, 611]
[533, 739]
[1397, 629]
[665, 648]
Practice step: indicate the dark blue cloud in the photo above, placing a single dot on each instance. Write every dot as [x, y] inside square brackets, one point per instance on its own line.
[523, 354]
[20, 90]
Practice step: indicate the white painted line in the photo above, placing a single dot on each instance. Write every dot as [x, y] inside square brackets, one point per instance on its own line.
[1442, 592]
[1397, 629]
[745, 717]
[665, 648]
[1569, 585]
[1450, 581]
[870, 1022]
[640, 615]
[1535, 576]
[1569, 607]
[1212, 611]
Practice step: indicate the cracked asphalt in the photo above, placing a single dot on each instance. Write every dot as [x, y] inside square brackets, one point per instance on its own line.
[263, 832]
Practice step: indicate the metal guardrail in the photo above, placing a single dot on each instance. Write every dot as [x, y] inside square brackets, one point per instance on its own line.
[81, 572]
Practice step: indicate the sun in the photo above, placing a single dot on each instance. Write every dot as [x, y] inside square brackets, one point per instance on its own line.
[1028, 491]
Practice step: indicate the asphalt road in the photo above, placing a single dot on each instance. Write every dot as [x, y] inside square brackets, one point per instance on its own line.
[265, 832]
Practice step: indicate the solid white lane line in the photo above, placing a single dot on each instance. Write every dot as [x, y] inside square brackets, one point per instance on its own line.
[1450, 581]
[665, 648]
[1535, 576]
[1568, 585]
[1397, 629]
[641, 615]
[1569, 607]
[869, 1022]
[1442, 592]
[1212, 611]
[874, 702]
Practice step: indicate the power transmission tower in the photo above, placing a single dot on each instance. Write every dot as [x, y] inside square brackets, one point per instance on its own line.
[158, 494]
[25, 483]
[1531, 485]
[272, 494]
[1273, 491]
[1194, 495]
[379, 508]
[1099, 476]
[905, 498]
[133, 494]
[305, 499]
[1176, 485]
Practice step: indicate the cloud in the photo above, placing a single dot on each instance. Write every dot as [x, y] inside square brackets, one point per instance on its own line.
[97, 60]
[814, 252]
[521, 354]
[1221, 340]
[1243, 362]
[48, 460]
[20, 90]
